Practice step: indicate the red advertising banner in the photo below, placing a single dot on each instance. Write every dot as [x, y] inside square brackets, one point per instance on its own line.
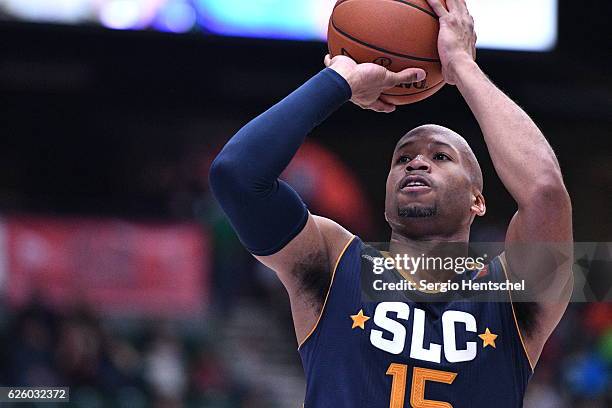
[116, 267]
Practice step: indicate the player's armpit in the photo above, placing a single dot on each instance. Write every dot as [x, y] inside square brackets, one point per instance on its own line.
[539, 250]
[535, 321]
[305, 266]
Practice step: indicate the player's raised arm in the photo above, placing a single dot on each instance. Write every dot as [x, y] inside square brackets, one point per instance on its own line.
[525, 163]
[268, 215]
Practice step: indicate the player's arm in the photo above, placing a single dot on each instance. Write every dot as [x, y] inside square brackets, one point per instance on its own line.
[268, 215]
[529, 169]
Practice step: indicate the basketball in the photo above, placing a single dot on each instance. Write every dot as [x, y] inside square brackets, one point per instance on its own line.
[396, 34]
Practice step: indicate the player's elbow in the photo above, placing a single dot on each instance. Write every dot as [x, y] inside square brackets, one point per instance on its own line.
[223, 175]
[549, 192]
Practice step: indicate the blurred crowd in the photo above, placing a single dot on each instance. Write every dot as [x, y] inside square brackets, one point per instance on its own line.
[132, 364]
[575, 369]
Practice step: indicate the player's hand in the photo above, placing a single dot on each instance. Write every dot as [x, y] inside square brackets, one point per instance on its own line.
[457, 38]
[368, 81]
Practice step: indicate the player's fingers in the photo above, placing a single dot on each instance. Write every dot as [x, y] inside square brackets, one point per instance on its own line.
[383, 107]
[327, 60]
[438, 7]
[458, 7]
[407, 76]
[454, 6]
[386, 99]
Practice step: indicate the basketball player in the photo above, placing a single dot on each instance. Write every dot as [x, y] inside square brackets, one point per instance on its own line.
[417, 352]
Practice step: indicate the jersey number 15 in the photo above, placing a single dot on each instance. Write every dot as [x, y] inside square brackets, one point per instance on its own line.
[417, 393]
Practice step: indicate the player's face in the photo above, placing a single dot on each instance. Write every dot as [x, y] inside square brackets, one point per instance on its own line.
[430, 185]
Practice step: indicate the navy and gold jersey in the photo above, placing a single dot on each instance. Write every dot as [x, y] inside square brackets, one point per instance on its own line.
[411, 352]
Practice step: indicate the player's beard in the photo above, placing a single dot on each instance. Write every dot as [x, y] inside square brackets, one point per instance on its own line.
[414, 211]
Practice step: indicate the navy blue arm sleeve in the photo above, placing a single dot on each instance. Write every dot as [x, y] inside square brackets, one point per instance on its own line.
[265, 211]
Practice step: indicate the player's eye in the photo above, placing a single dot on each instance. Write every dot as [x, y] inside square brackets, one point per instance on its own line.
[403, 159]
[441, 156]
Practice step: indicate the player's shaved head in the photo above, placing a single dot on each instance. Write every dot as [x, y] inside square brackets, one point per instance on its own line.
[434, 186]
[452, 138]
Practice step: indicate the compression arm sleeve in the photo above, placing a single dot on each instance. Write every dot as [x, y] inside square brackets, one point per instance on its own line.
[265, 211]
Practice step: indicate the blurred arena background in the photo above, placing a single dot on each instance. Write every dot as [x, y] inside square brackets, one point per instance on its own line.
[119, 275]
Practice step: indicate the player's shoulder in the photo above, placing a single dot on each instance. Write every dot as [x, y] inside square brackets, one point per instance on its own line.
[312, 253]
[336, 237]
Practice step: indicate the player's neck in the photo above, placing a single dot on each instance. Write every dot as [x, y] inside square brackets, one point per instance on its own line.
[404, 241]
[455, 247]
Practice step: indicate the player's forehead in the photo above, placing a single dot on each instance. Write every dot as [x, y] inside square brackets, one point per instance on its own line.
[428, 135]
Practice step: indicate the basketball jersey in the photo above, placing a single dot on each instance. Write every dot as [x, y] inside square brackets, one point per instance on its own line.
[412, 352]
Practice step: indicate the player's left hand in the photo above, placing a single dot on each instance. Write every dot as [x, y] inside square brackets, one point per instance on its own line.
[368, 81]
[457, 38]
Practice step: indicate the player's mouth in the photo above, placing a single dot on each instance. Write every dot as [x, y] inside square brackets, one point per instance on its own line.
[415, 184]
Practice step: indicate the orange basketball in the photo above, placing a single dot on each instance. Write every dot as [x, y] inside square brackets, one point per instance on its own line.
[396, 34]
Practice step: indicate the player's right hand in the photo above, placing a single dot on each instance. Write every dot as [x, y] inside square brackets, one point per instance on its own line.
[456, 39]
[368, 81]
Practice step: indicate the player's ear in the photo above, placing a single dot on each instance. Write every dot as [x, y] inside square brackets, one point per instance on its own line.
[479, 207]
[386, 218]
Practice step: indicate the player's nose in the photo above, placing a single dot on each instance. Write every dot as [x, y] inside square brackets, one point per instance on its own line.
[418, 163]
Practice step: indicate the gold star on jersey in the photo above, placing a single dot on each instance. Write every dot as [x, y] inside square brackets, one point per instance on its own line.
[359, 320]
[488, 338]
